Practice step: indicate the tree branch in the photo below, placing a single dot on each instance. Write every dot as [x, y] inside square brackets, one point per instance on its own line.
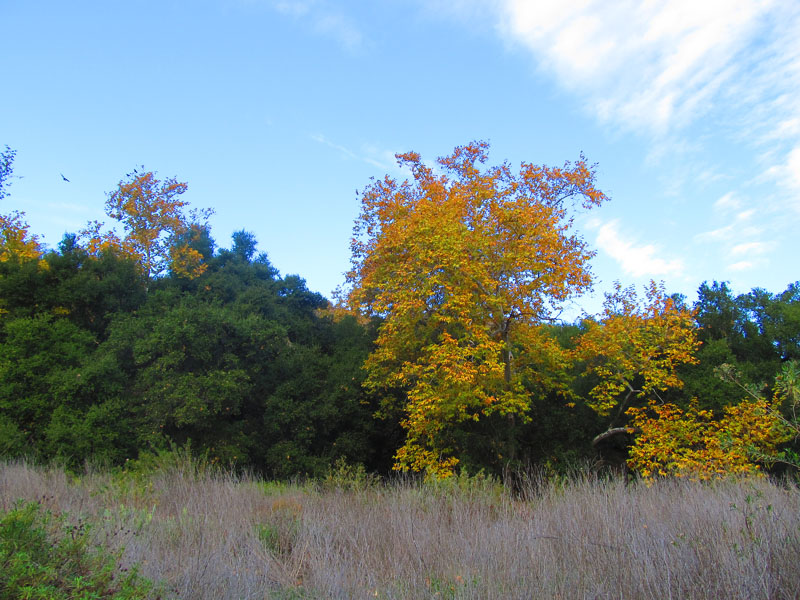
[609, 433]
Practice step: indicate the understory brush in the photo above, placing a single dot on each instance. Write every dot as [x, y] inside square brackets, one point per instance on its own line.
[211, 534]
[44, 556]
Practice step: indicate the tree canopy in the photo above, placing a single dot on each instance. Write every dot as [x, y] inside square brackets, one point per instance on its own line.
[463, 266]
[447, 352]
[158, 232]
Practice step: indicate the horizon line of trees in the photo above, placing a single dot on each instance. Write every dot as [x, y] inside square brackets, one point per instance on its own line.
[440, 354]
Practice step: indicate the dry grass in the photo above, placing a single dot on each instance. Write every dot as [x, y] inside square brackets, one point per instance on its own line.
[218, 536]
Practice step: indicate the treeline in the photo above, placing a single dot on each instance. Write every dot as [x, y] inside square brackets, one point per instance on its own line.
[103, 359]
[97, 365]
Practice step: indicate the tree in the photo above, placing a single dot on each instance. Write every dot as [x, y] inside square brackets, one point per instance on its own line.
[754, 332]
[39, 356]
[59, 395]
[693, 444]
[15, 240]
[463, 267]
[157, 231]
[71, 283]
[635, 349]
[6, 170]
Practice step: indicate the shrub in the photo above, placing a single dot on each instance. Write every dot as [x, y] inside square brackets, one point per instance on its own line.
[44, 557]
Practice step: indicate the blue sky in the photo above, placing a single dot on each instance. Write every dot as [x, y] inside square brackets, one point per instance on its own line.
[276, 111]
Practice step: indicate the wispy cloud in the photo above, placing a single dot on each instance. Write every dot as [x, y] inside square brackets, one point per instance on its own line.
[787, 174]
[731, 66]
[324, 19]
[641, 64]
[751, 248]
[738, 240]
[743, 265]
[465, 11]
[740, 226]
[638, 260]
[379, 158]
[727, 202]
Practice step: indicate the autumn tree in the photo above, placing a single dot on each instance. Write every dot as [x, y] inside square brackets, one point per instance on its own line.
[464, 263]
[157, 229]
[15, 239]
[697, 444]
[634, 350]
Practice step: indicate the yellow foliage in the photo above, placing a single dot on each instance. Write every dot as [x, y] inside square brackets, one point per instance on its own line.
[97, 241]
[636, 340]
[15, 241]
[152, 215]
[464, 266]
[186, 261]
[671, 442]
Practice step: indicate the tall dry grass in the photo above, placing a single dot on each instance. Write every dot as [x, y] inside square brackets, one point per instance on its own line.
[216, 535]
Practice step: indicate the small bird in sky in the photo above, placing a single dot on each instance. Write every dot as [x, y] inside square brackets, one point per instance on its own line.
[64, 178]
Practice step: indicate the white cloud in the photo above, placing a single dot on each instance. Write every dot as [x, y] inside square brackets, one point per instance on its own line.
[294, 8]
[741, 227]
[635, 260]
[658, 67]
[465, 11]
[738, 241]
[787, 174]
[727, 202]
[381, 159]
[722, 233]
[340, 28]
[751, 248]
[323, 19]
[743, 265]
[321, 139]
[642, 64]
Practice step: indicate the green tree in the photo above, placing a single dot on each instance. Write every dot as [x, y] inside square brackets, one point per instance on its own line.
[38, 357]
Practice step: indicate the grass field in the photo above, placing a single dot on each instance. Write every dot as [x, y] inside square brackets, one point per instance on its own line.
[200, 534]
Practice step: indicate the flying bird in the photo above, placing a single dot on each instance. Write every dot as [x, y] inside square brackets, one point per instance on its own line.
[64, 178]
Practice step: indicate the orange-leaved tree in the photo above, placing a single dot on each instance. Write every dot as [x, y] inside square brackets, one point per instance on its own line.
[635, 349]
[692, 443]
[463, 263]
[634, 352]
[15, 239]
[157, 228]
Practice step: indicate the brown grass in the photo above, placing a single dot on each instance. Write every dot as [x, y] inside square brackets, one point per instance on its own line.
[215, 536]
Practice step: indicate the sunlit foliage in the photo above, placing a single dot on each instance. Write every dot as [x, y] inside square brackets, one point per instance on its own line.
[463, 263]
[155, 224]
[636, 347]
[692, 443]
[15, 239]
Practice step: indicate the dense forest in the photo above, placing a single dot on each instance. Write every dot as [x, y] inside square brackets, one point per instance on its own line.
[442, 353]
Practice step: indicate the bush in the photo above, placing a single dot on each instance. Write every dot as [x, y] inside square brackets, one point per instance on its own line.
[43, 557]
